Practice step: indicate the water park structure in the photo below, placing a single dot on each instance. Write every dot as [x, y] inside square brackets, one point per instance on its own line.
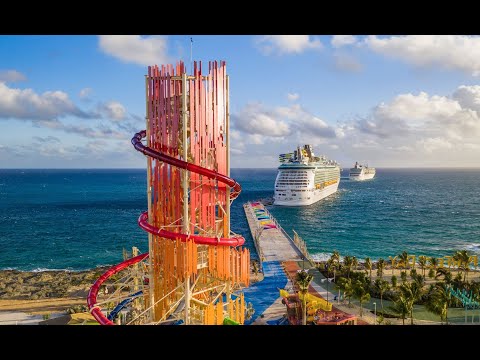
[195, 268]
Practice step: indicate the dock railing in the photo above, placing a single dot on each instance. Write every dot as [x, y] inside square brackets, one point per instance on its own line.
[256, 235]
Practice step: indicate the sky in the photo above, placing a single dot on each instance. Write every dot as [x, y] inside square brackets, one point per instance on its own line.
[390, 101]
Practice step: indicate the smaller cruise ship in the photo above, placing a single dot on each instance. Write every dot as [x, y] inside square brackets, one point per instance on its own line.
[361, 172]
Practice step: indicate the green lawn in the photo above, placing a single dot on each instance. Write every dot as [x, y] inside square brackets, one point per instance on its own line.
[455, 315]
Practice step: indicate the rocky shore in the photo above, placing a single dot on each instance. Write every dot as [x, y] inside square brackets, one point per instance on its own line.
[30, 285]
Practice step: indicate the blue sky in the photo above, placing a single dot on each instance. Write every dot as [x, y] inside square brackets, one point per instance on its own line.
[391, 101]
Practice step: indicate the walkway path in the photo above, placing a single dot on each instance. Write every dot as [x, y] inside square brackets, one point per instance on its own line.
[272, 244]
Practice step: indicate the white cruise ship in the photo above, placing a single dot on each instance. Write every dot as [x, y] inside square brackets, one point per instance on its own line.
[304, 178]
[360, 172]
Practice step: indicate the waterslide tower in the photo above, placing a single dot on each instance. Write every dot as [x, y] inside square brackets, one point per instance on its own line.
[196, 267]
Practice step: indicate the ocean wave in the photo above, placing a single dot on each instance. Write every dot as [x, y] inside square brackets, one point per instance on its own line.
[42, 269]
[321, 256]
[475, 247]
[326, 256]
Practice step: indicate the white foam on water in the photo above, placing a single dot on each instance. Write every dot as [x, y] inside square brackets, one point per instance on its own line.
[474, 247]
[40, 269]
[326, 257]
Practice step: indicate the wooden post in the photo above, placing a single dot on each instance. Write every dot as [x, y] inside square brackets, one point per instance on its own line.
[150, 213]
[186, 225]
[227, 145]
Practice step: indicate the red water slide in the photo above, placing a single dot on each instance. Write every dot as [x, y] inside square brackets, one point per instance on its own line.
[143, 222]
[143, 219]
[92, 294]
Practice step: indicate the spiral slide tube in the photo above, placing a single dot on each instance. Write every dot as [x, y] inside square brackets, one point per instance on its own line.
[92, 294]
[143, 219]
[113, 314]
[143, 222]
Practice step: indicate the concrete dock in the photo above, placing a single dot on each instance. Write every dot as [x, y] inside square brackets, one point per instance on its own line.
[277, 251]
[271, 242]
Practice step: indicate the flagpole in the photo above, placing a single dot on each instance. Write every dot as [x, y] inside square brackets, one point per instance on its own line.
[191, 58]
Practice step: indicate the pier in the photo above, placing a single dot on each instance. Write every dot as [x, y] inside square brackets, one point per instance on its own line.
[271, 241]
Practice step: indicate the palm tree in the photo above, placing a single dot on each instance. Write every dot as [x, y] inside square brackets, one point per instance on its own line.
[400, 307]
[255, 269]
[303, 280]
[404, 259]
[380, 267]
[422, 261]
[361, 294]
[420, 280]
[447, 275]
[463, 257]
[334, 262]
[392, 260]
[342, 284]
[439, 299]
[411, 292]
[381, 286]
[354, 262]
[328, 266]
[457, 281]
[347, 263]
[335, 256]
[346, 286]
[368, 266]
[433, 263]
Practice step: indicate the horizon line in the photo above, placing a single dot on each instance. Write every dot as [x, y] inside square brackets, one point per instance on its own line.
[239, 168]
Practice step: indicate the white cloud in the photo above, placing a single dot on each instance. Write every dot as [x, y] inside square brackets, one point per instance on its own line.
[27, 104]
[432, 144]
[113, 110]
[293, 96]
[47, 139]
[254, 119]
[418, 130]
[98, 153]
[346, 62]
[101, 131]
[11, 76]
[448, 51]
[409, 130]
[148, 50]
[468, 97]
[85, 93]
[303, 122]
[342, 40]
[256, 125]
[418, 108]
[287, 44]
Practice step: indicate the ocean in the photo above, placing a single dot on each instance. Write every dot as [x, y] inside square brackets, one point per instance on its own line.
[80, 219]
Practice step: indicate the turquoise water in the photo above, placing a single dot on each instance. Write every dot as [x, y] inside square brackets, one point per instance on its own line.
[79, 219]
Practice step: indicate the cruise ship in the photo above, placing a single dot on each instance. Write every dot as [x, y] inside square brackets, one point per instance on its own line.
[304, 178]
[360, 172]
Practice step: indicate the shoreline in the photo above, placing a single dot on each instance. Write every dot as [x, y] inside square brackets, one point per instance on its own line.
[52, 292]
[38, 285]
[56, 292]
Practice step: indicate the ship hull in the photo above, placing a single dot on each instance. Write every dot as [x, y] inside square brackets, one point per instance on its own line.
[315, 196]
[362, 177]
